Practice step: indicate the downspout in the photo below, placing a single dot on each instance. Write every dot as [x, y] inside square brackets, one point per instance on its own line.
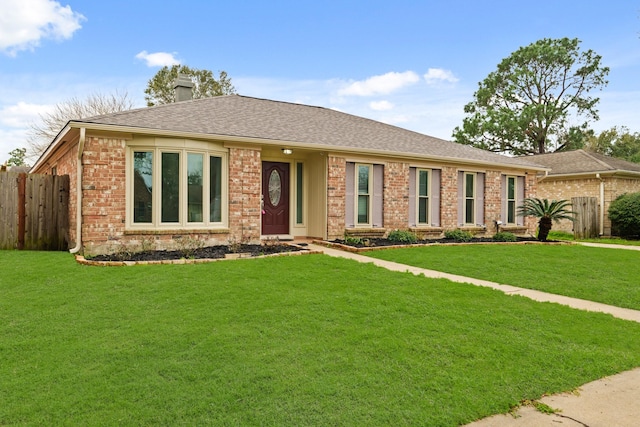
[79, 193]
[601, 204]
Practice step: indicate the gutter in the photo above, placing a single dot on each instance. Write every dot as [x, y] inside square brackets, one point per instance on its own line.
[78, 246]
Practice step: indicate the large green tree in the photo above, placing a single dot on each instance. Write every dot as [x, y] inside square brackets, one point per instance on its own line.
[615, 142]
[523, 106]
[160, 89]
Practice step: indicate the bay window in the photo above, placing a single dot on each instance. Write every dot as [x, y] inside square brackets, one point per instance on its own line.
[190, 185]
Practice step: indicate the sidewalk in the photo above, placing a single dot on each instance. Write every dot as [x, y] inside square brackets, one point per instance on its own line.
[621, 313]
[608, 402]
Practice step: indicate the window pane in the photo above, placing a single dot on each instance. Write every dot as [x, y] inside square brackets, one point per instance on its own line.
[511, 188]
[142, 186]
[511, 211]
[468, 212]
[363, 179]
[468, 192]
[423, 210]
[423, 183]
[215, 189]
[195, 172]
[170, 187]
[299, 200]
[363, 209]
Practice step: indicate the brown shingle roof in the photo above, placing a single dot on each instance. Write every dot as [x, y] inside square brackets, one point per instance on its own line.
[581, 161]
[247, 117]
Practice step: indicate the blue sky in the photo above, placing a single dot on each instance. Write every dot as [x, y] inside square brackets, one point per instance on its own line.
[414, 64]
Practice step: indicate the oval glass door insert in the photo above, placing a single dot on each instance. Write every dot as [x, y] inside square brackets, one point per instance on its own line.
[275, 187]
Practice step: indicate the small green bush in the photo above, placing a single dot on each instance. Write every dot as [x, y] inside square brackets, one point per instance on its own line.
[353, 240]
[402, 236]
[505, 236]
[458, 235]
[624, 213]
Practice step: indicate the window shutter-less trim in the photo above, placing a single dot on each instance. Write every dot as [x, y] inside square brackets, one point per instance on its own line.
[519, 198]
[435, 197]
[378, 190]
[461, 198]
[479, 198]
[350, 185]
[412, 197]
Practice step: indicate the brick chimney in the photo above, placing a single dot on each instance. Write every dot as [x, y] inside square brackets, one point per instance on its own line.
[183, 88]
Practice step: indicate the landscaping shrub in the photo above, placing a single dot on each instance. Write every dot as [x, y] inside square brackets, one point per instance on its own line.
[504, 236]
[402, 236]
[458, 235]
[624, 213]
[353, 240]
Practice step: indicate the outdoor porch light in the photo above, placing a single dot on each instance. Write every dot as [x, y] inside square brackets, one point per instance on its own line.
[287, 151]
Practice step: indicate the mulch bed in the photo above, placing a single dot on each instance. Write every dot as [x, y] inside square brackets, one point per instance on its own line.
[211, 252]
[376, 242]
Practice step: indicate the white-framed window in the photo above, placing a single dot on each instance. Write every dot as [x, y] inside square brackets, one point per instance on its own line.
[364, 181]
[512, 197]
[469, 198]
[169, 188]
[364, 195]
[423, 213]
[300, 193]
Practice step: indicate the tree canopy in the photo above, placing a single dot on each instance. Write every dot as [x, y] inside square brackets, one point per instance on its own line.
[615, 142]
[160, 89]
[40, 134]
[527, 103]
[18, 157]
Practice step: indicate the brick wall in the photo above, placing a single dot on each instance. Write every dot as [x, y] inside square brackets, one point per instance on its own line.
[336, 178]
[245, 214]
[449, 198]
[565, 189]
[396, 196]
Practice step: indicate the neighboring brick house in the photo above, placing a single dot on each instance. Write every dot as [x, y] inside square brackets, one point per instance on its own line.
[234, 168]
[581, 173]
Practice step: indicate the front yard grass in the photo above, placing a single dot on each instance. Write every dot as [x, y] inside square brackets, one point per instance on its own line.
[609, 276]
[307, 340]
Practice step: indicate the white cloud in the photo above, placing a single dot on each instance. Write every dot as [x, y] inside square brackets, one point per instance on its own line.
[380, 85]
[381, 105]
[24, 23]
[22, 114]
[158, 59]
[435, 75]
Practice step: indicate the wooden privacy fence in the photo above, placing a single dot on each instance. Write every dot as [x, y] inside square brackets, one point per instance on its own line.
[34, 211]
[586, 224]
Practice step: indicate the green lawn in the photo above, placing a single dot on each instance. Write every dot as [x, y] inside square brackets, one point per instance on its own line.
[307, 340]
[560, 235]
[609, 276]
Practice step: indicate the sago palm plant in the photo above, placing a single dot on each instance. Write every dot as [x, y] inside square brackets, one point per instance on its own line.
[548, 212]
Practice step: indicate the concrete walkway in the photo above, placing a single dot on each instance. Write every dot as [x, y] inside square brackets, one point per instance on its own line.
[621, 313]
[608, 402]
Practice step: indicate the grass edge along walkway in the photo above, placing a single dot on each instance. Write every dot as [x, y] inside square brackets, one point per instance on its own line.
[581, 304]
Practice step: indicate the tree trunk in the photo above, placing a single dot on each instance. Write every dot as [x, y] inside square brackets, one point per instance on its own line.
[544, 227]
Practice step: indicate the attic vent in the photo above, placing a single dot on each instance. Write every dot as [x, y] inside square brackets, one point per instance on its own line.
[183, 87]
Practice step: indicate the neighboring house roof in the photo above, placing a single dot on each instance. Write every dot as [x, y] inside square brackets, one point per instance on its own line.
[581, 162]
[265, 121]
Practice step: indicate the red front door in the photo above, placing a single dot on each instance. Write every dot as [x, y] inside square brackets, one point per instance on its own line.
[275, 198]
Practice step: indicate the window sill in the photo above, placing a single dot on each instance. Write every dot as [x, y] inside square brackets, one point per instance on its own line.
[366, 232]
[515, 229]
[424, 232]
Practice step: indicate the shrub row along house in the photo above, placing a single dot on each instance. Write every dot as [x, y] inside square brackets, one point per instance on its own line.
[235, 168]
